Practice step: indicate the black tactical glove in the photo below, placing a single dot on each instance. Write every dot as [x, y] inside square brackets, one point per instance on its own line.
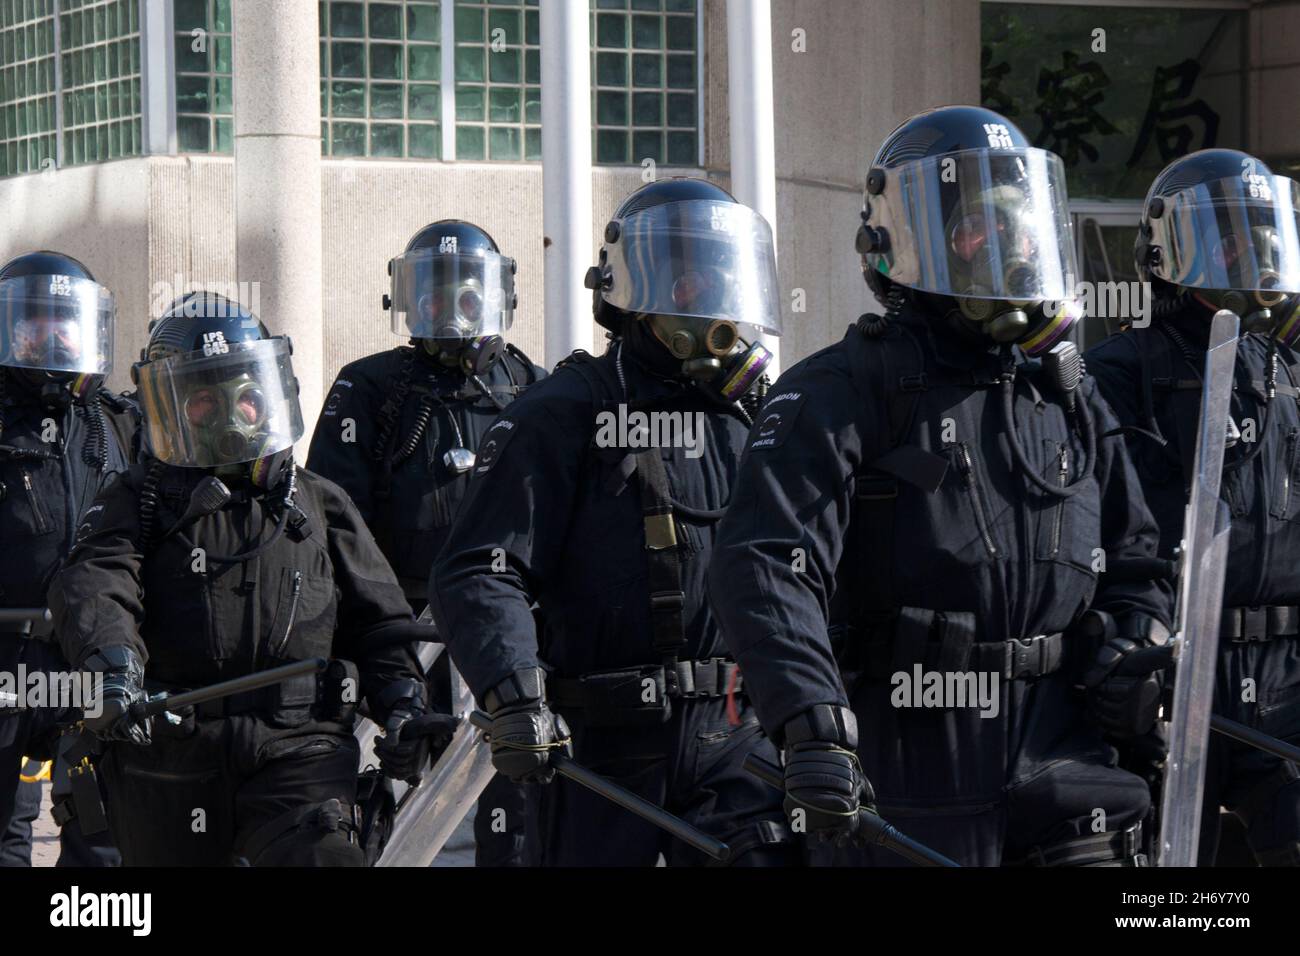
[824, 785]
[410, 731]
[524, 731]
[123, 685]
[1123, 682]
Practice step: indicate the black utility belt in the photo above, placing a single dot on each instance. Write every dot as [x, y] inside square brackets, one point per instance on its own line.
[1242, 625]
[642, 694]
[941, 641]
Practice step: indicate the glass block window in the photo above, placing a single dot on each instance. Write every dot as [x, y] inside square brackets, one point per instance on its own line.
[28, 118]
[381, 90]
[100, 71]
[645, 80]
[204, 89]
[498, 80]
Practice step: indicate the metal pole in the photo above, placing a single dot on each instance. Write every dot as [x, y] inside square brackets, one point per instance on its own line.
[753, 140]
[278, 179]
[566, 175]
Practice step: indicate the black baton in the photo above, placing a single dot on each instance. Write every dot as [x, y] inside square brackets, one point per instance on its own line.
[870, 824]
[159, 703]
[566, 767]
[1256, 738]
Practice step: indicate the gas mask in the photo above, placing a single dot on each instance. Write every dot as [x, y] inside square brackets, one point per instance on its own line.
[991, 245]
[455, 315]
[473, 356]
[228, 420]
[1034, 326]
[712, 353]
[1260, 311]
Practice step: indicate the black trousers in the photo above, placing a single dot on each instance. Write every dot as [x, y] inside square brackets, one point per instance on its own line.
[22, 733]
[16, 838]
[690, 766]
[505, 825]
[991, 790]
[225, 794]
[1262, 790]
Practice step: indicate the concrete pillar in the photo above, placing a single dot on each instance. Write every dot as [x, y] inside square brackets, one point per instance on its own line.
[278, 179]
[753, 150]
[566, 174]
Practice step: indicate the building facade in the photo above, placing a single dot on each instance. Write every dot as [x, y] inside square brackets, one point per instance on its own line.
[116, 128]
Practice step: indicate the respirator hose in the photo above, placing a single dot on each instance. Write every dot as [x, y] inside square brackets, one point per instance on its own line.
[1089, 434]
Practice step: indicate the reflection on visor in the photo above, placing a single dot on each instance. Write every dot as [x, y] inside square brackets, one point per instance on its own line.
[991, 224]
[700, 292]
[452, 296]
[204, 411]
[1238, 234]
[695, 259]
[973, 234]
[56, 323]
[205, 407]
[36, 338]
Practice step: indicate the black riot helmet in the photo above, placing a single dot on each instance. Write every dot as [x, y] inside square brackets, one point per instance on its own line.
[56, 321]
[1219, 224]
[700, 269]
[217, 389]
[958, 203]
[454, 291]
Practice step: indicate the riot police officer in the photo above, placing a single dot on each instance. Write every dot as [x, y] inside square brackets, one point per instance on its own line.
[62, 436]
[921, 520]
[1219, 230]
[215, 557]
[399, 429]
[586, 501]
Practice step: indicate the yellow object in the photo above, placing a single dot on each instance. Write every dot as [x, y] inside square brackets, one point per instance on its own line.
[42, 774]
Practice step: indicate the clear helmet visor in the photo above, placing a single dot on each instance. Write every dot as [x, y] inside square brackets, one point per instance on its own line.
[57, 323]
[702, 260]
[1241, 233]
[202, 411]
[983, 224]
[452, 297]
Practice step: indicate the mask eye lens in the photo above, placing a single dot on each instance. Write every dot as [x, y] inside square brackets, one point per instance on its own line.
[1227, 252]
[201, 407]
[969, 236]
[426, 307]
[251, 406]
[689, 289]
[469, 304]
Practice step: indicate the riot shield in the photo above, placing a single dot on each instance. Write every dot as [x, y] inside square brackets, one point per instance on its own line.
[427, 815]
[1200, 599]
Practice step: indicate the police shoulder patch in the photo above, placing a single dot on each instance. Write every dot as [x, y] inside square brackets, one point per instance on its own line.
[336, 397]
[776, 420]
[493, 443]
[89, 522]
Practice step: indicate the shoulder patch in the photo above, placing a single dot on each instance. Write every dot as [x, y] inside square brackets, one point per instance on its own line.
[89, 522]
[336, 396]
[493, 443]
[776, 420]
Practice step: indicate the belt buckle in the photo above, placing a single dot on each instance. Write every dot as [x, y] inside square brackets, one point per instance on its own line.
[1254, 624]
[1019, 650]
